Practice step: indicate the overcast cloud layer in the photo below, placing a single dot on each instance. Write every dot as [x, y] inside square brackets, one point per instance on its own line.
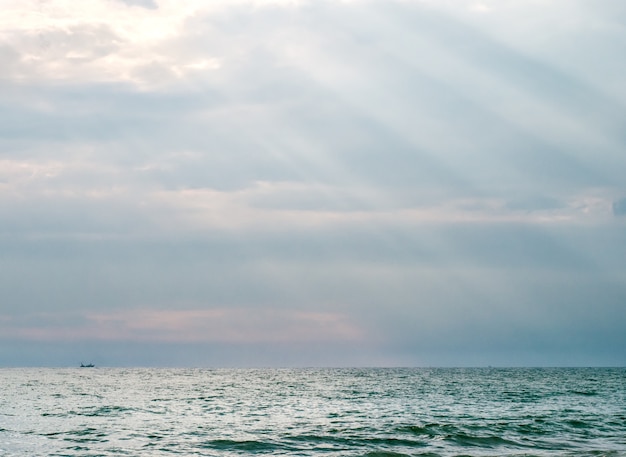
[326, 182]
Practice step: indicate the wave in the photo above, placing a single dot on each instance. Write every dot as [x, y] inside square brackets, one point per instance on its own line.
[385, 454]
[251, 446]
[325, 413]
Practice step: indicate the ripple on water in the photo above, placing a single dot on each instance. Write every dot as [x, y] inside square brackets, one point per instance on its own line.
[309, 413]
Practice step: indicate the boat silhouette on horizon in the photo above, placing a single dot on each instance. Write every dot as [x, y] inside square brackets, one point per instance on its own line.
[87, 365]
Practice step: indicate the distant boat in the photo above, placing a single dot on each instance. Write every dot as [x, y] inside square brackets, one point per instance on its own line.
[87, 365]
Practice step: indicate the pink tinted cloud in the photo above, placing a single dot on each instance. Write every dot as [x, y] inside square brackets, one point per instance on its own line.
[239, 325]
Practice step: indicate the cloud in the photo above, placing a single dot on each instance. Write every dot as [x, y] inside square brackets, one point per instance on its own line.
[149, 4]
[619, 207]
[97, 42]
[216, 325]
[296, 171]
[480, 8]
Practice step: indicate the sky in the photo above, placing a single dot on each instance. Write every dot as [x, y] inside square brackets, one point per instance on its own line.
[313, 183]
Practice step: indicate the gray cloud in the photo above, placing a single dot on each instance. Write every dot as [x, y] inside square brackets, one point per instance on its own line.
[150, 4]
[619, 207]
[440, 178]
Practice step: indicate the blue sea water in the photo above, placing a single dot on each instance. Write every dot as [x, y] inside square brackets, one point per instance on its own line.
[313, 412]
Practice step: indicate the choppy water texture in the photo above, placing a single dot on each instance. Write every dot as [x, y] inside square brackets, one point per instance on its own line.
[313, 412]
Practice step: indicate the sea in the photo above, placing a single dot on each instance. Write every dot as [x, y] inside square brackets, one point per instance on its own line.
[379, 412]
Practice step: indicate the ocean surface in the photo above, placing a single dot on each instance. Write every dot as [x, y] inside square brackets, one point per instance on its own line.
[313, 412]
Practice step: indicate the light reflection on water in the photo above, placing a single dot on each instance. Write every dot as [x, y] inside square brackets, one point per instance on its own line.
[307, 412]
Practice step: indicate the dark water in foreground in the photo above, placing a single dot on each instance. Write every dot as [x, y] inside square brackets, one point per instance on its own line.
[313, 412]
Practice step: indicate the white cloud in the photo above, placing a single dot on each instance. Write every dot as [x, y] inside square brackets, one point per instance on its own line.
[480, 8]
[109, 194]
[98, 41]
[109, 41]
